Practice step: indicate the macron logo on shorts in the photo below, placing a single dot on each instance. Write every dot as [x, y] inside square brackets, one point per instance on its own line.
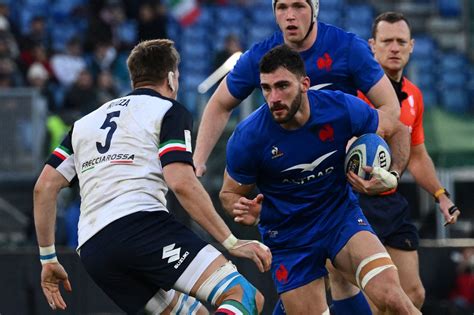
[171, 253]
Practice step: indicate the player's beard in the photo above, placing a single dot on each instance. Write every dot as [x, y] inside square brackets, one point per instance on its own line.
[292, 110]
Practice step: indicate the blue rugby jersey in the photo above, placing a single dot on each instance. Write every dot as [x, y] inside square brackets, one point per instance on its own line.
[338, 59]
[300, 172]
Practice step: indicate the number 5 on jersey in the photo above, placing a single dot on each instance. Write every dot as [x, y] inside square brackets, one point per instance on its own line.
[108, 123]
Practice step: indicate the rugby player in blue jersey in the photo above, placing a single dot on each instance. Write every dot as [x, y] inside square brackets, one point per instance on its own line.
[292, 149]
[334, 60]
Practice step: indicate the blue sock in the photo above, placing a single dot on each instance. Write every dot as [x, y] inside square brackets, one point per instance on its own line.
[279, 308]
[356, 304]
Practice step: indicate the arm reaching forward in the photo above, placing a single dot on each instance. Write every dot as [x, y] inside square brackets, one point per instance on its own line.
[233, 197]
[213, 121]
[196, 201]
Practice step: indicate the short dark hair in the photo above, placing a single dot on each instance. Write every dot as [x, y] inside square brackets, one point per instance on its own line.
[390, 17]
[282, 56]
[151, 60]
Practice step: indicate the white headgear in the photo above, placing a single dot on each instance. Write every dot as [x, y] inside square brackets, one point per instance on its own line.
[313, 3]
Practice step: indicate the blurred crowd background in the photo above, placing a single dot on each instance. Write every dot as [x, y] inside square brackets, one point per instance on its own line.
[61, 59]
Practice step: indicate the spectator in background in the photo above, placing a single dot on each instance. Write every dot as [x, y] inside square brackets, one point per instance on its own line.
[68, 65]
[37, 34]
[8, 45]
[10, 76]
[124, 34]
[8, 38]
[5, 12]
[106, 87]
[102, 59]
[98, 30]
[231, 46]
[37, 53]
[38, 77]
[463, 293]
[151, 20]
[82, 96]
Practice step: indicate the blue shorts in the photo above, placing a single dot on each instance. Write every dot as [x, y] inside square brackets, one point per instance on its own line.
[389, 216]
[128, 259]
[294, 267]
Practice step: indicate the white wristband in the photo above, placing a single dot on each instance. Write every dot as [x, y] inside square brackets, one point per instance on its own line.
[230, 242]
[48, 255]
[387, 179]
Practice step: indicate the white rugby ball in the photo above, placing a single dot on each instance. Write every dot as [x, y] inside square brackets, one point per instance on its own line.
[368, 150]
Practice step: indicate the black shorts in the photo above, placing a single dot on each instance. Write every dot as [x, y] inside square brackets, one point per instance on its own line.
[133, 257]
[389, 216]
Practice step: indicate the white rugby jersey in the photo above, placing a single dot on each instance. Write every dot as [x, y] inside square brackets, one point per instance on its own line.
[118, 152]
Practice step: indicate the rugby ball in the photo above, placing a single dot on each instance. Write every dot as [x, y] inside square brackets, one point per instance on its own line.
[368, 150]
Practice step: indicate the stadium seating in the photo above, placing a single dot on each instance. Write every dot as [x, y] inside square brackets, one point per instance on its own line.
[433, 70]
[455, 100]
[450, 8]
[331, 16]
[358, 19]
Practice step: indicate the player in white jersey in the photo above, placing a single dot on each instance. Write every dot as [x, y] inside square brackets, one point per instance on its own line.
[125, 155]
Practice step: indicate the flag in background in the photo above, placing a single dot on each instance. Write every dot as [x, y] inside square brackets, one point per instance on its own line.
[185, 11]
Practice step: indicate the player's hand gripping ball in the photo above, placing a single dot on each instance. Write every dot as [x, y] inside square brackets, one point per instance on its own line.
[368, 150]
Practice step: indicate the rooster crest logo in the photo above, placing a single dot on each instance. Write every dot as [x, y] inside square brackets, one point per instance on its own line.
[281, 274]
[325, 62]
[326, 133]
[276, 152]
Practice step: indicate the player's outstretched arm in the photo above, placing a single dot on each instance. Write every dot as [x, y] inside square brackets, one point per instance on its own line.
[423, 170]
[195, 200]
[46, 190]
[234, 199]
[383, 97]
[213, 121]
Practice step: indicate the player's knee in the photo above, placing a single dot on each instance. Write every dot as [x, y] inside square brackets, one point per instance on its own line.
[417, 295]
[389, 296]
[229, 290]
[389, 299]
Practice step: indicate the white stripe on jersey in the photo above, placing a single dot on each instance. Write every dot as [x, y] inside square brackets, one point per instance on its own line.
[171, 145]
[62, 152]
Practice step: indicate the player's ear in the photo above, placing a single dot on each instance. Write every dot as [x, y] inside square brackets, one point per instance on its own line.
[305, 84]
[371, 44]
[171, 81]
